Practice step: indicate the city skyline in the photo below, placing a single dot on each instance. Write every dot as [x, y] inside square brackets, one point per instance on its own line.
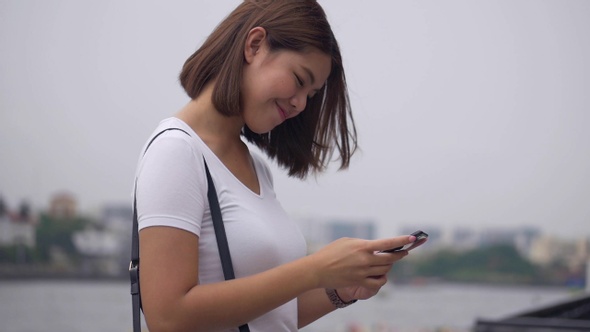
[441, 232]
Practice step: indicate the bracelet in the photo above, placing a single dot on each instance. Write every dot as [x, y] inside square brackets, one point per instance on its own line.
[336, 300]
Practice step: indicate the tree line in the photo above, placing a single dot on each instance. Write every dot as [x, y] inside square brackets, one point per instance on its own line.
[501, 264]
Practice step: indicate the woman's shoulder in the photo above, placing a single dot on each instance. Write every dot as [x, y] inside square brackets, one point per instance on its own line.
[172, 141]
[173, 127]
[176, 129]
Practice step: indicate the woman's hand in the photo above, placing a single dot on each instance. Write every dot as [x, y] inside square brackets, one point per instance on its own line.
[348, 294]
[356, 267]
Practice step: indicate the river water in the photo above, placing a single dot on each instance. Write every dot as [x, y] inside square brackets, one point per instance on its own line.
[74, 306]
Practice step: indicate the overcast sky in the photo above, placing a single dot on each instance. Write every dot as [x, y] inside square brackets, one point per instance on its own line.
[472, 113]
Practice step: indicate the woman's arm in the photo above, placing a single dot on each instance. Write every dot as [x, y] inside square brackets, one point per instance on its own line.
[313, 305]
[173, 301]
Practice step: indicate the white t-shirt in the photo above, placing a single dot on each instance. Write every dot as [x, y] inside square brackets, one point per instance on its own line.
[172, 191]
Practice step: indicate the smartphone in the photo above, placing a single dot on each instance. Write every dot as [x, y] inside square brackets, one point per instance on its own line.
[421, 237]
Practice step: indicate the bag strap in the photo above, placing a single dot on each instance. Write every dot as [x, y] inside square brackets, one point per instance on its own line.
[134, 268]
[222, 245]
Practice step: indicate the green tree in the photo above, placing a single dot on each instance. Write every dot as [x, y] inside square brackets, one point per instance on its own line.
[498, 263]
[53, 232]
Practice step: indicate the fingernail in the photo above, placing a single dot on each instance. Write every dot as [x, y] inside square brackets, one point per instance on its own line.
[412, 238]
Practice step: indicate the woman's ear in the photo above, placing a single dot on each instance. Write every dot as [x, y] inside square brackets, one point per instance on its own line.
[255, 42]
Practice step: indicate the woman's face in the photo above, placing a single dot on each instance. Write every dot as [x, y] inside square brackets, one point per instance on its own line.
[276, 85]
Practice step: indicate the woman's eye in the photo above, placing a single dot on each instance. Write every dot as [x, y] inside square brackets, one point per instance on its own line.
[299, 80]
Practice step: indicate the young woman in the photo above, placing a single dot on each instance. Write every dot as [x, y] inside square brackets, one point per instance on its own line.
[271, 72]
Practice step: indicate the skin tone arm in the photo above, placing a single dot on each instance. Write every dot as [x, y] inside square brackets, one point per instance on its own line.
[173, 301]
[313, 305]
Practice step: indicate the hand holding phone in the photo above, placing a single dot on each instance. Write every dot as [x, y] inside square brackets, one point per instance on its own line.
[421, 237]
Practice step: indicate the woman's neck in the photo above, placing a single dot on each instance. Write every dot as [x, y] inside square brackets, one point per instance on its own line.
[221, 133]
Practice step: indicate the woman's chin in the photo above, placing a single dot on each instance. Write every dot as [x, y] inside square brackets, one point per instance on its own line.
[261, 130]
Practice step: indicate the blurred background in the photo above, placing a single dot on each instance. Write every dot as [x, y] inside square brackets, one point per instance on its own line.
[472, 120]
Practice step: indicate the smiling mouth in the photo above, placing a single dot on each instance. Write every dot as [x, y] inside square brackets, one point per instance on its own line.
[282, 112]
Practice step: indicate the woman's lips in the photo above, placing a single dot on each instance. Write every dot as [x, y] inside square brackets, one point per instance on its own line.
[282, 112]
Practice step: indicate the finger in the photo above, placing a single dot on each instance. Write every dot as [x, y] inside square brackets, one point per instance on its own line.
[390, 243]
[388, 258]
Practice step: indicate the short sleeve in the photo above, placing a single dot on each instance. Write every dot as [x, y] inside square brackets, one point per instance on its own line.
[171, 184]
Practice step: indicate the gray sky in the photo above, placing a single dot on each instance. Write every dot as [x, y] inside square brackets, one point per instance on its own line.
[472, 113]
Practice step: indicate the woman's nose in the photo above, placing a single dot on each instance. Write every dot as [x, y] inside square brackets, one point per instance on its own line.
[298, 102]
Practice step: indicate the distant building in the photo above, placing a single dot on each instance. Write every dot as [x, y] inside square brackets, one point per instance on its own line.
[118, 217]
[320, 232]
[572, 253]
[106, 245]
[63, 205]
[349, 228]
[492, 236]
[525, 238]
[17, 228]
[464, 238]
[522, 238]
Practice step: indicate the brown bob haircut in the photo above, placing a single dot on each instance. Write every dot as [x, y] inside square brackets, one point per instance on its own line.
[307, 141]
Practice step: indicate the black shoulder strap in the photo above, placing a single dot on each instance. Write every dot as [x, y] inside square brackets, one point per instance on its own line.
[222, 244]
